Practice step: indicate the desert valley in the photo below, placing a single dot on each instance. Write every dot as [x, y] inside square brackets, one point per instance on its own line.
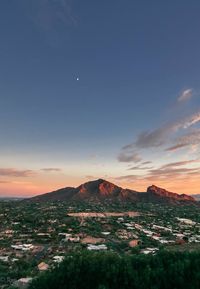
[37, 233]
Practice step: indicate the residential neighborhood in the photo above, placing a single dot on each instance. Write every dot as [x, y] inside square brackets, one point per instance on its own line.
[35, 237]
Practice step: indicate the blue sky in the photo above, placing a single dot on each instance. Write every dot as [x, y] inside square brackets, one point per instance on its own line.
[138, 67]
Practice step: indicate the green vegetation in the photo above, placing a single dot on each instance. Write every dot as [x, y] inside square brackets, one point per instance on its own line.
[35, 233]
[110, 271]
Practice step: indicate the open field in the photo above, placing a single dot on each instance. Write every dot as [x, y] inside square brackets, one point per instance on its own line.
[130, 214]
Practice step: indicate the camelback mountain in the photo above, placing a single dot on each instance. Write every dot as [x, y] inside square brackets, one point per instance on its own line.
[102, 190]
[156, 192]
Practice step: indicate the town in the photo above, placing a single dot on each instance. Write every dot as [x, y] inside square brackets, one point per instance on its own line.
[35, 237]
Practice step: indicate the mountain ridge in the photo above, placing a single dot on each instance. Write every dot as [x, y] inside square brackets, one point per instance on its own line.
[196, 197]
[101, 190]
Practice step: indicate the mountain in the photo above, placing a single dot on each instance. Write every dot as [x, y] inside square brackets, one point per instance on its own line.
[196, 197]
[101, 190]
[97, 190]
[155, 192]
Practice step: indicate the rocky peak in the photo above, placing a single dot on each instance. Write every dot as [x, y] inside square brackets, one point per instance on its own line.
[99, 186]
[156, 191]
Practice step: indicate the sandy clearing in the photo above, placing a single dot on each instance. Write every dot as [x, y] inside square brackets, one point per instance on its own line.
[103, 215]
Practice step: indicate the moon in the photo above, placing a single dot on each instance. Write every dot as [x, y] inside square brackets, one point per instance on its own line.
[77, 78]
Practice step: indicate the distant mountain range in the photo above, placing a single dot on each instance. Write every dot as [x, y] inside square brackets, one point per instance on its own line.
[11, 198]
[196, 197]
[101, 190]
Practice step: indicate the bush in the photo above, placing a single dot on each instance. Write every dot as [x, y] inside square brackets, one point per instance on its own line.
[91, 270]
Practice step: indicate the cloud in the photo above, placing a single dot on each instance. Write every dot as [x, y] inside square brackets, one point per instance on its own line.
[189, 139]
[127, 157]
[160, 136]
[185, 95]
[166, 173]
[90, 177]
[127, 178]
[49, 15]
[146, 163]
[51, 12]
[171, 172]
[160, 174]
[154, 138]
[171, 136]
[51, 170]
[193, 119]
[139, 168]
[176, 147]
[171, 182]
[174, 169]
[11, 172]
[181, 163]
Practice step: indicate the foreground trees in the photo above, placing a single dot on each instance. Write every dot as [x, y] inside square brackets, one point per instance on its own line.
[90, 270]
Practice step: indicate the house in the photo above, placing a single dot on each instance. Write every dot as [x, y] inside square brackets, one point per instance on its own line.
[105, 233]
[186, 221]
[44, 235]
[149, 251]
[66, 236]
[74, 239]
[23, 247]
[4, 258]
[58, 259]
[92, 247]
[161, 228]
[23, 283]
[133, 243]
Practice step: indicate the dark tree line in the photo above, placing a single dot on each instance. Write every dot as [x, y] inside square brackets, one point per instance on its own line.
[111, 271]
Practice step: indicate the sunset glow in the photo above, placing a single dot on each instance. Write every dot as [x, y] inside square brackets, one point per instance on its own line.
[88, 93]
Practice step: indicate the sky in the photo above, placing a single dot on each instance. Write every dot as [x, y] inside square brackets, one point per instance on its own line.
[99, 89]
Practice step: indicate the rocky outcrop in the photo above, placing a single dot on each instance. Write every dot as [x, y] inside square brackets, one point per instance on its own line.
[157, 192]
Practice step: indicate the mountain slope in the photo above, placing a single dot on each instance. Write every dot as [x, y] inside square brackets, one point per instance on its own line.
[58, 195]
[97, 190]
[155, 193]
[101, 190]
[196, 197]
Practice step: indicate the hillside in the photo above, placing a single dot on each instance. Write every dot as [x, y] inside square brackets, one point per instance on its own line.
[101, 190]
[196, 197]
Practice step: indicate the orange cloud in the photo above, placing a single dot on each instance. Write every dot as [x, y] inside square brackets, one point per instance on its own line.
[11, 172]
